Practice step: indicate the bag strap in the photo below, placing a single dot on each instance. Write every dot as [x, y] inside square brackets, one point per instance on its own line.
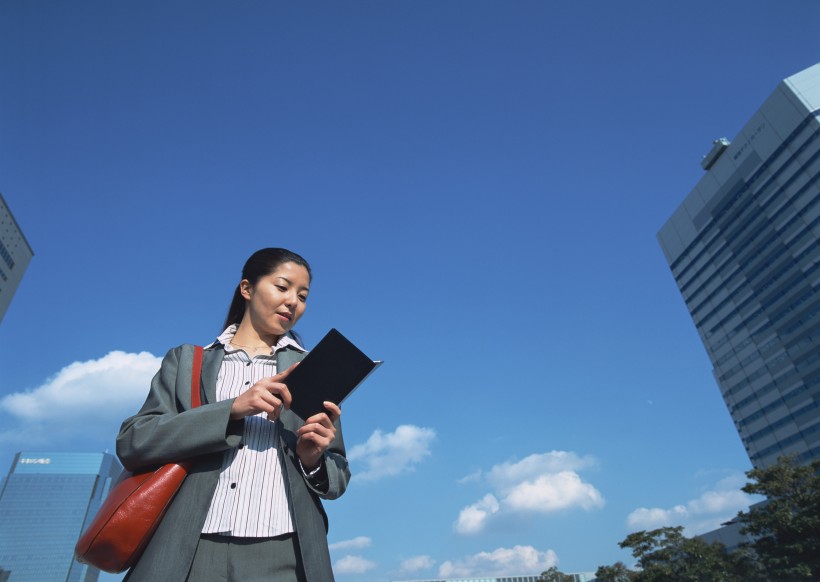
[196, 374]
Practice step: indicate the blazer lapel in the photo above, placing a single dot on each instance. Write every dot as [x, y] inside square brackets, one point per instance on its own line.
[287, 357]
[211, 361]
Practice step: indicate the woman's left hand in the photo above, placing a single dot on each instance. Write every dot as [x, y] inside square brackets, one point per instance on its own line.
[316, 435]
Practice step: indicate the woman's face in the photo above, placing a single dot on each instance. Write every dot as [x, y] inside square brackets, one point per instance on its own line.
[277, 301]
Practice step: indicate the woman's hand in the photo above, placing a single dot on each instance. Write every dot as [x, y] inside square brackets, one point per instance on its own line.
[268, 395]
[316, 435]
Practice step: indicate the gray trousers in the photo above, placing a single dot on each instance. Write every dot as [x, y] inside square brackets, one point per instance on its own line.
[230, 559]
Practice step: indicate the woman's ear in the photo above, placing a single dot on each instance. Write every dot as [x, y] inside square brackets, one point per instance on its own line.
[245, 289]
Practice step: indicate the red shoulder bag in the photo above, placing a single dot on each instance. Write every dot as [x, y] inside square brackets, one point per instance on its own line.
[131, 512]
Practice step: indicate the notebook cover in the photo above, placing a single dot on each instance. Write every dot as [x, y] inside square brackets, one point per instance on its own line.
[330, 371]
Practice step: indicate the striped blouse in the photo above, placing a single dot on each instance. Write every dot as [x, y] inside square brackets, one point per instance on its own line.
[250, 498]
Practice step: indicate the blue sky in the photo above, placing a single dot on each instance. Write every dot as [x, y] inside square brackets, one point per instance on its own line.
[477, 185]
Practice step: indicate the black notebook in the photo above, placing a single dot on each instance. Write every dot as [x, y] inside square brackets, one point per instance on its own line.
[330, 371]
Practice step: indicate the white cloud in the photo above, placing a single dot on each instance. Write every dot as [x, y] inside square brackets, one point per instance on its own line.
[551, 492]
[352, 544]
[472, 518]
[539, 483]
[389, 454]
[353, 565]
[519, 560]
[719, 502]
[88, 399]
[509, 474]
[705, 513]
[417, 563]
[655, 517]
[473, 477]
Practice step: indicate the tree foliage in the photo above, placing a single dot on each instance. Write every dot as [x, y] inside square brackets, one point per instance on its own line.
[555, 575]
[783, 537]
[785, 529]
[665, 555]
[617, 572]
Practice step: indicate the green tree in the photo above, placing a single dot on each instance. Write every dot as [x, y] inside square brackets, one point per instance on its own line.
[666, 555]
[747, 566]
[617, 572]
[785, 529]
[555, 575]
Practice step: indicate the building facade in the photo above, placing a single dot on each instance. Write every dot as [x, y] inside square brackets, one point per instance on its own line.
[15, 255]
[743, 249]
[46, 502]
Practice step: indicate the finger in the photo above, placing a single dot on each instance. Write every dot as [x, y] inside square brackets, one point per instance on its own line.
[281, 392]
[277, 412]
[274, 395]
[325, 418]
[314, 431]
[317, 420]
[268, 403]
[316, 440]
[333, 410]
[307, 428]
[282, 375]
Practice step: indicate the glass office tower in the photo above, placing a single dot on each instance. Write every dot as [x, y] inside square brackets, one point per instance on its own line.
[15, 255]
[743, 248]
[46, 502]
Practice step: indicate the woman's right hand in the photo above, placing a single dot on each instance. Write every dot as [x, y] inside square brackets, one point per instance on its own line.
[268, 395]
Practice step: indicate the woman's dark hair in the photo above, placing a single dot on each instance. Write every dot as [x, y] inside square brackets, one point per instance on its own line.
[260, 264]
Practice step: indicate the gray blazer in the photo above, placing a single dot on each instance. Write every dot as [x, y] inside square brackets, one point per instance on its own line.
[167, 429]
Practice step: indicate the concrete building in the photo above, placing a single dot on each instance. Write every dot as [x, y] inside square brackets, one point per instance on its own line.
[15, 255]
[743, 248]
[46, 502]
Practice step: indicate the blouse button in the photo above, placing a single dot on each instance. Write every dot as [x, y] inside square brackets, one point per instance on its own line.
[233, 485]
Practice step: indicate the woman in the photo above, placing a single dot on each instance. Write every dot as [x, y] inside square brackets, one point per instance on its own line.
[250, 507]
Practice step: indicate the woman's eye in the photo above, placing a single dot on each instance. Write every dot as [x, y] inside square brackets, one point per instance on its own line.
[303, 298]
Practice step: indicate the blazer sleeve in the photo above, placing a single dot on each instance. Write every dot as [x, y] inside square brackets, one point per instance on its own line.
[330, 482]
[167, 429]
[334, 472]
